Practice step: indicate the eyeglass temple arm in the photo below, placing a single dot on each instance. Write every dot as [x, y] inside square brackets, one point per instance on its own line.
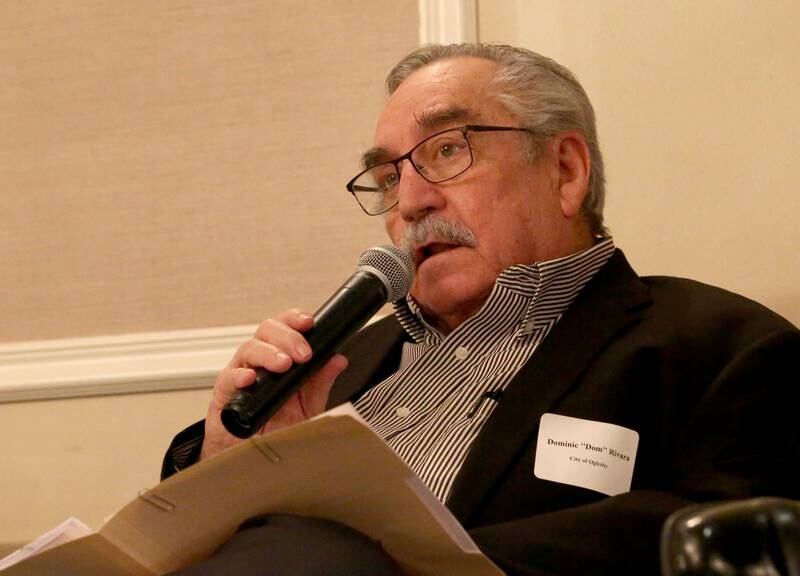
[357, 188]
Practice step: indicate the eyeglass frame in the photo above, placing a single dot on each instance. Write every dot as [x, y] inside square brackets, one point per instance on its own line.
[407, 156]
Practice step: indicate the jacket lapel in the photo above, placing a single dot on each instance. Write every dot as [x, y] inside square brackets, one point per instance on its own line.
[611, 302]
[374, 354]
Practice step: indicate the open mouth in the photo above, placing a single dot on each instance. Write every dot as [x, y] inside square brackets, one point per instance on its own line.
[422, 253]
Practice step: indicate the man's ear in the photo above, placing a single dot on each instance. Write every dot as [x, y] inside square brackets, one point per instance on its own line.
[574, 165]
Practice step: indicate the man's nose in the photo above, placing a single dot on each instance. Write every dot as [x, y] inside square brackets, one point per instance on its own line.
[416, 196]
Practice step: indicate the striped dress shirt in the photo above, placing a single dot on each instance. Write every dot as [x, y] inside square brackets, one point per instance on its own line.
[434, 406]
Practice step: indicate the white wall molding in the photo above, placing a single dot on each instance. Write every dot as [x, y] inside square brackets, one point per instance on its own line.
[131, 363]
[448, 21]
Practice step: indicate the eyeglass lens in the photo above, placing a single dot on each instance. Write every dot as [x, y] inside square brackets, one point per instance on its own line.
[438, 158]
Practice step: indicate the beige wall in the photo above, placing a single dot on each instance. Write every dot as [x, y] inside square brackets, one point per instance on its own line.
[172, 164]
[699, 123]
[169, 165]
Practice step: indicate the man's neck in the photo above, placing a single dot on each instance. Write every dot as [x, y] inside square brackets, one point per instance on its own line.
[447, 322]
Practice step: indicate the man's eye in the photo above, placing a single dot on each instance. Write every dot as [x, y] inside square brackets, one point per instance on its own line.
[447, 150]
[386, 179]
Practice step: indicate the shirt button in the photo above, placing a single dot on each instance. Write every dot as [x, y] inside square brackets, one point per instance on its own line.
[529, 326]
[461, 353]
[402, 412]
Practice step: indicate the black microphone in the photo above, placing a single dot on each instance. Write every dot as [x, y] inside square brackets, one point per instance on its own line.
[384, 274]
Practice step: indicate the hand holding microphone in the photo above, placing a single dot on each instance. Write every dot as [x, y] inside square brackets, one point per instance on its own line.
[276, 345]
[245, 401]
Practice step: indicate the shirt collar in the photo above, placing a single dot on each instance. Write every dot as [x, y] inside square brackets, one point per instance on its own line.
[550, 285]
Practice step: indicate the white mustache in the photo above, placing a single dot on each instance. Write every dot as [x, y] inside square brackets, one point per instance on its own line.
[436, 228]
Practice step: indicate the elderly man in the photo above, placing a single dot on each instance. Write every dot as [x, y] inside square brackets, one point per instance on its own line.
[523, 320]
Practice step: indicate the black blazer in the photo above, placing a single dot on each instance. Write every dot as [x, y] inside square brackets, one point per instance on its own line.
[704, 377]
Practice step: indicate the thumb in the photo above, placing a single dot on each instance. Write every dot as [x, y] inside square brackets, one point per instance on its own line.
[314, 395]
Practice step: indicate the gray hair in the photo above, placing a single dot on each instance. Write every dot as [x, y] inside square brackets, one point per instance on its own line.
[545, 96]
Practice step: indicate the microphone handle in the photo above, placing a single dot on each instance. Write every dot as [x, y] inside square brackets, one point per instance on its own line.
[340, 317]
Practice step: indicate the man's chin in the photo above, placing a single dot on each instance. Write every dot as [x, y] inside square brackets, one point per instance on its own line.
[445, 295]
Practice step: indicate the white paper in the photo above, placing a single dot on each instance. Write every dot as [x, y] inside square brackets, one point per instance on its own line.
[443, 515]
[594, 455]
[346, 409]
[69, 529]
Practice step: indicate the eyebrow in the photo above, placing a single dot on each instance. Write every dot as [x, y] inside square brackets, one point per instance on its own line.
[428, 120]
[374, 156]
[432, 119]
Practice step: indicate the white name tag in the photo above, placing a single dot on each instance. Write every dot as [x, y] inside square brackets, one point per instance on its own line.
[585, 453]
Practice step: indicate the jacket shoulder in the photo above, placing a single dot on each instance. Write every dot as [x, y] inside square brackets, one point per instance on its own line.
[696, 303]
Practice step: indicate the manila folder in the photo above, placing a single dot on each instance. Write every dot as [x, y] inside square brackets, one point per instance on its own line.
[331, 467]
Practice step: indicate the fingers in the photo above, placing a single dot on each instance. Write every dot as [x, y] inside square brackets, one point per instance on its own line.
[298, 319]
[228, 383]
[277, 343]
[257, 353]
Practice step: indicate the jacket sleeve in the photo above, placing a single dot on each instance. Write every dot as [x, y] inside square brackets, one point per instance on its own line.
[184, 450]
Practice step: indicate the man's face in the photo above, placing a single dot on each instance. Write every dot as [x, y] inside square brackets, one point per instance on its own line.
[509, 204]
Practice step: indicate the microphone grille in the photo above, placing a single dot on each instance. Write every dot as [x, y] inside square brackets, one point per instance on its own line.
[392, 265]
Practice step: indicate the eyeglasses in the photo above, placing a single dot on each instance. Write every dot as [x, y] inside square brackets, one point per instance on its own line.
[438, 158]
